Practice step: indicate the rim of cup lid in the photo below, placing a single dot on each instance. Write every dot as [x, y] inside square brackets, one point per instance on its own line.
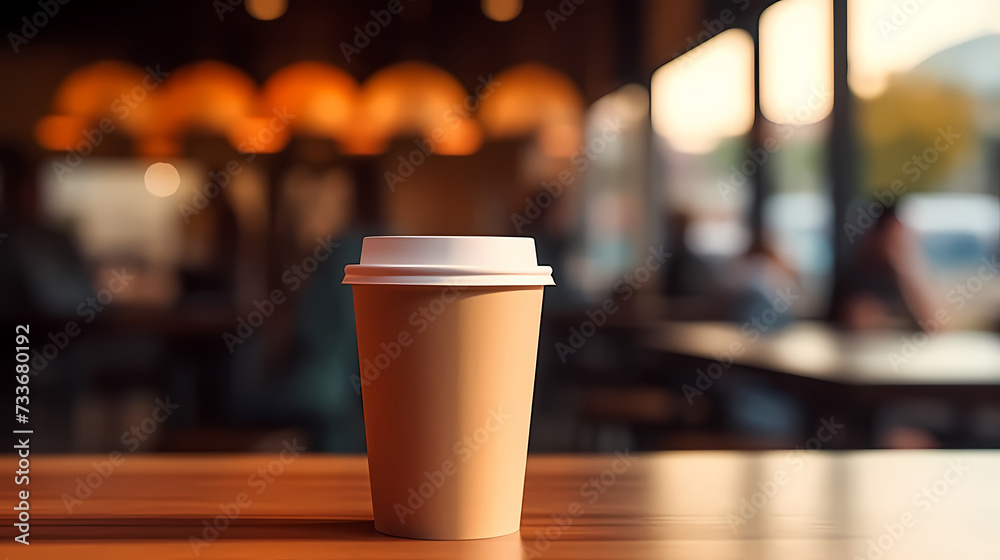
[449, 260]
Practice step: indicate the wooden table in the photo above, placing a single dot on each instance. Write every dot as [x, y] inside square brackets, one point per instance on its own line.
[849, 375]
[705, 505]
[817, 351]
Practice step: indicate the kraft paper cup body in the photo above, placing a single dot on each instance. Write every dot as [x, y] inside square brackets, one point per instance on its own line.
[447, 375]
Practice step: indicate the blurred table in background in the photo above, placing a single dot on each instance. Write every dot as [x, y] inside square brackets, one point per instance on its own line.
[779, 504]
[818, 351]
[851, 373]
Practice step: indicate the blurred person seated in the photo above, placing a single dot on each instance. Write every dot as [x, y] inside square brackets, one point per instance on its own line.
[688, 274]
[91, 376]
[690, 283]
[760, 281]
[303, 371]
[208, 265]
[43, 269]
[884, 285]
[555, 242]
[762, 289]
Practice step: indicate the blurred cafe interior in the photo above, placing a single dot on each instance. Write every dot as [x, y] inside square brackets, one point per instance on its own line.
[767, 219]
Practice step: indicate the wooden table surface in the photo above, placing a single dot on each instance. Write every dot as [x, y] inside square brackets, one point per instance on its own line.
[779, 504]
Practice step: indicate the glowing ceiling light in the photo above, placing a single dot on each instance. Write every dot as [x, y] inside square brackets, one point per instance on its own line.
[706, 94]
[796, 61]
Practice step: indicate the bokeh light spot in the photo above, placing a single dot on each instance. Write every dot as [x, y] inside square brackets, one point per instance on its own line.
[266, 10]
[162, 179]
[501, 10]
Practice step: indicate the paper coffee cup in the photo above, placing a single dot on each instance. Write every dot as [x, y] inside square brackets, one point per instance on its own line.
[447, 341]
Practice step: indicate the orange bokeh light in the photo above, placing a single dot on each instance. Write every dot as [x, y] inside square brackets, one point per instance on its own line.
[322, 97]
[60, 132]
[560, 140]
[528, 97]
[258, 135]
[501, 10]
[266, 10]
[208, 95]
[96, 90]
[405, 99]
[157, 146]
[464, 139]
[410, 98]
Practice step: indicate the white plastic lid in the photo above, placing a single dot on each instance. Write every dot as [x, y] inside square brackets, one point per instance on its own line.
[449, 261]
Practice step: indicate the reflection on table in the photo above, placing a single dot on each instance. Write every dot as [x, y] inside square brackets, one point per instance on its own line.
[780, 504]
